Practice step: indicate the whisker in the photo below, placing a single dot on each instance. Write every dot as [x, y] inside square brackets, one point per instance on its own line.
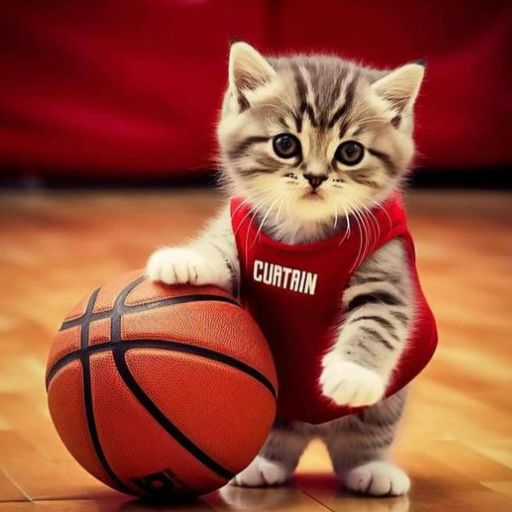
[263, 221]
[356, 217]
[248, 214]
[285, 198]
[248, 202]
[375, 222]
[348, 230]
[249, 211]
[378, 205]
[252, 218]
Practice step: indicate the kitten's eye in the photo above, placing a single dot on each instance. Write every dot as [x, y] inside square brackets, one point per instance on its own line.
[349, 153]
[286, 145]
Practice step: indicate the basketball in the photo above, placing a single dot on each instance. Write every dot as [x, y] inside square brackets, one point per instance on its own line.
[161, 391]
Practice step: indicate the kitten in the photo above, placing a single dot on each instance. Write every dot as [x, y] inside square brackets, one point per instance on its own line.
[311, 144]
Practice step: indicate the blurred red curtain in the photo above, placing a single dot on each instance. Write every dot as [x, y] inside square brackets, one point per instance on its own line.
[118, 88]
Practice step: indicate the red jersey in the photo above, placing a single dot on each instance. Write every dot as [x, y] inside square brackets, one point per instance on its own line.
[294, 292]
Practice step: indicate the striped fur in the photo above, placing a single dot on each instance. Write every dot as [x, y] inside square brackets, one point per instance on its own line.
[372, 335]
[323, 101]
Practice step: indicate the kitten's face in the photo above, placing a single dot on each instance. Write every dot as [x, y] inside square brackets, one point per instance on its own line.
[315, 137]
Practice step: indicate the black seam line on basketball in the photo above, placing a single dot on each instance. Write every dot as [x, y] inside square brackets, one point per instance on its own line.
[171, 346]
[84, 331]
[164, 421]
[128, 309]
[87, 396]
[117, 310]
[121, 297]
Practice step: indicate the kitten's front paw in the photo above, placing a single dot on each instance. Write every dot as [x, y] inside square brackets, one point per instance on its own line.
[182, 265]
[347, 383]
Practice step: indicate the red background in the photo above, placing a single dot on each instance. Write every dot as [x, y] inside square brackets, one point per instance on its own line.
[118, 88]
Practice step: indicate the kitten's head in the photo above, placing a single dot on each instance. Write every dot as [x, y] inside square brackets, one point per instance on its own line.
[316, 136]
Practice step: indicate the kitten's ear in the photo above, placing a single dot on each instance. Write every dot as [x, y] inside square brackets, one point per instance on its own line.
[401, 86]
[248, 69]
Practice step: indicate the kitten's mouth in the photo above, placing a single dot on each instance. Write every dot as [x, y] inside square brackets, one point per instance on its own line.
[313, 195]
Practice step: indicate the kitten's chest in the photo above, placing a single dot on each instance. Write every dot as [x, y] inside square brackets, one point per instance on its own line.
[294, 292]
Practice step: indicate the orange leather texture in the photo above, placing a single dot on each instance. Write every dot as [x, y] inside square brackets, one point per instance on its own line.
[64, 342]
[99, 331]
[79, 309]
[65, 401]
[225, 412]
[109, 291]
[218, 326]
[133, 442]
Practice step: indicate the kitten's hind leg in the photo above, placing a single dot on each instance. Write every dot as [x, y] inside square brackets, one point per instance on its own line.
[358, 446]
[277, 459]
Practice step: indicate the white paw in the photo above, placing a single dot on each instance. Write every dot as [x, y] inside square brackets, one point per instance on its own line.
[378, 478]
[347, 383]
[261, 472]
[182, 265]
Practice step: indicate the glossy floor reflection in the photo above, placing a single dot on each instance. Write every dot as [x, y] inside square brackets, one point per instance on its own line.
[308, 492]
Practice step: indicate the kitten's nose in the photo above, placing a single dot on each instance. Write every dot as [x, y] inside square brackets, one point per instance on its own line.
[315, 180]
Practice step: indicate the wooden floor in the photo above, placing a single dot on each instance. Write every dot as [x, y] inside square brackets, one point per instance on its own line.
[456, 439]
